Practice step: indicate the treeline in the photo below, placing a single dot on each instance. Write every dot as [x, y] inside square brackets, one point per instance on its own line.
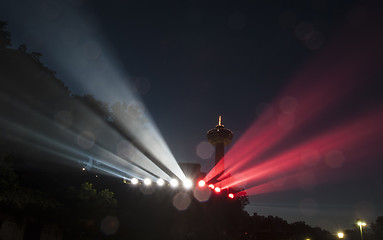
[47, 134]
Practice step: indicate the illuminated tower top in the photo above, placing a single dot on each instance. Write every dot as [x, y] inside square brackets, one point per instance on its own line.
[219, 134]
[219, 137]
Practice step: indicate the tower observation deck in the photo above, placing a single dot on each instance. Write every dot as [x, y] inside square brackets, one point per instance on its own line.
[219, 137]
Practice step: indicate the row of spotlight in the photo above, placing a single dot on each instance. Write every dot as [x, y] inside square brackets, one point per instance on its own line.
[174, 183]
[187, 184]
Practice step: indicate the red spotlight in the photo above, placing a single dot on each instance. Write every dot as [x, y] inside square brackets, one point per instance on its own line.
[217, 189]
[211, 186]
[231, 195]
[201, 183]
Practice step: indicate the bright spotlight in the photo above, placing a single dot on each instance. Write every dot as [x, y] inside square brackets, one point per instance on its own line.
[174, 183]
[217, 189]
[231, 195]
[147, 181]
[134, 181]
[201, 183]
[361, 223]
[160, 182]
[340, 235]
[188, 184]
[83, 169]
[211, 186]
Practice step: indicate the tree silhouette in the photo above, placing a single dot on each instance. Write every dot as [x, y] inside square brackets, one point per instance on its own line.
[87, 208]
[377, 228]
[5, 36]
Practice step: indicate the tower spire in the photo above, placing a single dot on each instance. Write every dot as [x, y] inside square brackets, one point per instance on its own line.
[220, 121]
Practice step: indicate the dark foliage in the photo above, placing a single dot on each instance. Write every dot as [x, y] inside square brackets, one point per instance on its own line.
[5, 36]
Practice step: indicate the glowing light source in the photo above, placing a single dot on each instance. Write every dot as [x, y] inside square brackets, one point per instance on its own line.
[201, 183]
[211, 186]
[160, 182]
[230, 195]
[83, 169]
[361, 223]
[147, 181]
[340, 235]
[174, 183]
[134, 181]
[217, 189]
[188, 184]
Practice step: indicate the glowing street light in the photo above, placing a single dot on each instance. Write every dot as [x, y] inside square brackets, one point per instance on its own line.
[340, 235]
[361, 224]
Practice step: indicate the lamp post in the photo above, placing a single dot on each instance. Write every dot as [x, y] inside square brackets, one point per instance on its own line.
[361, 224]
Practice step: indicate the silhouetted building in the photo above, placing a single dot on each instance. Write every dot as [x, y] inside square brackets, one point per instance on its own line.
[192, 170]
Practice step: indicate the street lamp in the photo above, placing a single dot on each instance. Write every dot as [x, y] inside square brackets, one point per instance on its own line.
[340, 235]
[361, 224]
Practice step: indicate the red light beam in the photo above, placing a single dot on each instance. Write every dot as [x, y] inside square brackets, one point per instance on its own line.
[358, 139]
[323, 85]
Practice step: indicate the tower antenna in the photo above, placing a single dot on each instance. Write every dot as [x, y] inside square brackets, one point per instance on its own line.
[220, 121]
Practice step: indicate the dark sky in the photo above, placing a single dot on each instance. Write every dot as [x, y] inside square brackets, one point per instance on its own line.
[194, 60]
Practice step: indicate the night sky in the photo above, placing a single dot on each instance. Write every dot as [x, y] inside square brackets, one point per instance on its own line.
[191, 61]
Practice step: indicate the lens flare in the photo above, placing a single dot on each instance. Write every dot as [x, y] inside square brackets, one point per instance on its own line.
[181, 201]
[202, 194]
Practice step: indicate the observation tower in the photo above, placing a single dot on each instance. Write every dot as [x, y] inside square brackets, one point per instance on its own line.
[219, 137]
